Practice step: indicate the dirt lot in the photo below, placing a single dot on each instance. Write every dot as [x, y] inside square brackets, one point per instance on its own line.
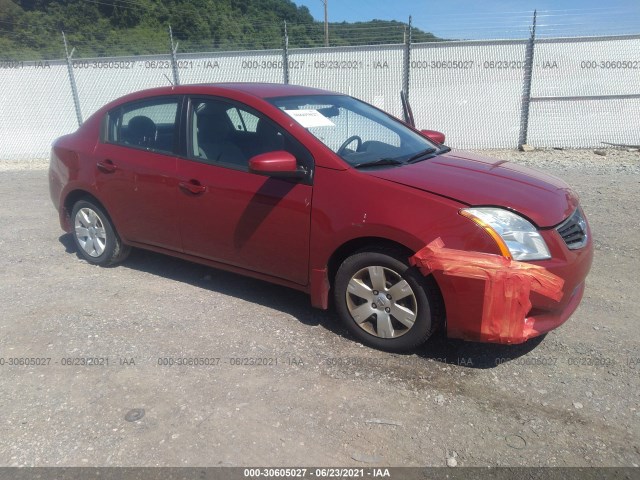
[569, 399]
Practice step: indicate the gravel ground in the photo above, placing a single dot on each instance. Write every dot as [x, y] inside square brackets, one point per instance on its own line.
[15, 165]
[571, 398]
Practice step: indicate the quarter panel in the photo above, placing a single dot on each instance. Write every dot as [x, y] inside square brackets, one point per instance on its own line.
[351, 204]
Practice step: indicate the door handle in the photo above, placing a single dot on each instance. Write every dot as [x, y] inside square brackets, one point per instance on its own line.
[193, 187]
[106, 166]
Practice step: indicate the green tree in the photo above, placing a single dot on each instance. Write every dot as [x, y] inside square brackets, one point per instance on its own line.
[30, 29]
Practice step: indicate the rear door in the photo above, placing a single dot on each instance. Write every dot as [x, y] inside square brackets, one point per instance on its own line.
[136, 165]
[231, 215]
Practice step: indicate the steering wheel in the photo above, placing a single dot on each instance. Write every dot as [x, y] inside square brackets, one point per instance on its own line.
[346, 143]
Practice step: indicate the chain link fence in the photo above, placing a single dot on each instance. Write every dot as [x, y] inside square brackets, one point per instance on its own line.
[586, 91]
[548, 92]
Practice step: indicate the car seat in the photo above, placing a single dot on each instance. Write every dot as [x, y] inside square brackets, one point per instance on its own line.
[141, 131]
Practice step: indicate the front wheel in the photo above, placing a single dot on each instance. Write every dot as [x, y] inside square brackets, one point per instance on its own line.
[384, 302]
[94, 235]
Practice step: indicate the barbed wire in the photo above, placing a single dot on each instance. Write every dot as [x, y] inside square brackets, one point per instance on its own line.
[266, 34]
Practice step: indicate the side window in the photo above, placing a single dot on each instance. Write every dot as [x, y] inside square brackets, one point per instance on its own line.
[236, 119]
[230, 135]
[214, 125]
[242, 120]
[149, 124]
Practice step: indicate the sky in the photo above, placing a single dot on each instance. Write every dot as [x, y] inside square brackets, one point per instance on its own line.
[492, 18]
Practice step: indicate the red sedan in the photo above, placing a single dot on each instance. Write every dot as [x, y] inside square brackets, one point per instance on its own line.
[326, 194]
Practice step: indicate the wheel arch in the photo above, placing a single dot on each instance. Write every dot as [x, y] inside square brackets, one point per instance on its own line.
[372, 243]
[361, 244]
[79, 194]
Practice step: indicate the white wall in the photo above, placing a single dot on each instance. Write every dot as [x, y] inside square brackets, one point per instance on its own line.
[470, 90]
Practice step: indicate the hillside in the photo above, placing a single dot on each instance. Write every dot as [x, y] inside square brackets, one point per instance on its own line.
[30, 29]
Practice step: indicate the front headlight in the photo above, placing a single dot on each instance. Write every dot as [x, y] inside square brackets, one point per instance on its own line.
[515, 236]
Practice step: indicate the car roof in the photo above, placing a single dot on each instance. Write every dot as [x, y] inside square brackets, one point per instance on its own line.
[260, 90]
[256, 90]
[268, 90]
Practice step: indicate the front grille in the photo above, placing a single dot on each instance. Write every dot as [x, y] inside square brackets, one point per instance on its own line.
[574, 230]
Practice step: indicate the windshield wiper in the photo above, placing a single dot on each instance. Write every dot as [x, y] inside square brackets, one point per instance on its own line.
[379, 162]
[418, 156]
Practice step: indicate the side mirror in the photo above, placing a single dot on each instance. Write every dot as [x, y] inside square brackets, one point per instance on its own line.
[437, 137]
[275, 164]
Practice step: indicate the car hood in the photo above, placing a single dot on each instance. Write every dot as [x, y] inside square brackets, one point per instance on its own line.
[482, 181]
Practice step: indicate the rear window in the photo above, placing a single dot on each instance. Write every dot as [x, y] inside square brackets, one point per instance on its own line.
[148, 124]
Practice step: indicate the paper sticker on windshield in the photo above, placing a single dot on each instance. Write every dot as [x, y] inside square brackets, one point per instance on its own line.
[310, 118]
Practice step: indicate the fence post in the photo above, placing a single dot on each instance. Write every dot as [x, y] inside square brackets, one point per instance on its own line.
[174, 60]
[526, 88]
[285, 55]
[406, 71]
[72, 80]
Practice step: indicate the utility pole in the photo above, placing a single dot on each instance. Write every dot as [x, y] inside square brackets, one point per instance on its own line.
[406, 71]
[526, 90]
[174, 59]
[285, 54]
[72, 80]
[326, 24]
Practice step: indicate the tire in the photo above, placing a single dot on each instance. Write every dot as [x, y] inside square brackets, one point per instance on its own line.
[95, 237]
[400, 314]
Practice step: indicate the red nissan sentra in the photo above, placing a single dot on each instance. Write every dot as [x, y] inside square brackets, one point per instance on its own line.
[326, 194]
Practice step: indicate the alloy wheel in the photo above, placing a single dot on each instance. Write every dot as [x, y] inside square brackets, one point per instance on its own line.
[381, 302]
[90, 232]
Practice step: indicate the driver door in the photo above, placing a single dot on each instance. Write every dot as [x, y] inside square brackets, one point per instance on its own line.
[231, 215]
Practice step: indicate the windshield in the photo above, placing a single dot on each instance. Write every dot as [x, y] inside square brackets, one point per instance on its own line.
[360, 134]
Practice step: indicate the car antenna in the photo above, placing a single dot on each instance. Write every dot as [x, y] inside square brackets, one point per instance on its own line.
[406, 109]
[168, 80]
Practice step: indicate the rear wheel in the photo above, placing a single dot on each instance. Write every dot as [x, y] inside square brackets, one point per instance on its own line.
[384, 302]
[94, 235]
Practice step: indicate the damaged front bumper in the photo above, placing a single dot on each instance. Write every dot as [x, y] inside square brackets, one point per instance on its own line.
[489, 298]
